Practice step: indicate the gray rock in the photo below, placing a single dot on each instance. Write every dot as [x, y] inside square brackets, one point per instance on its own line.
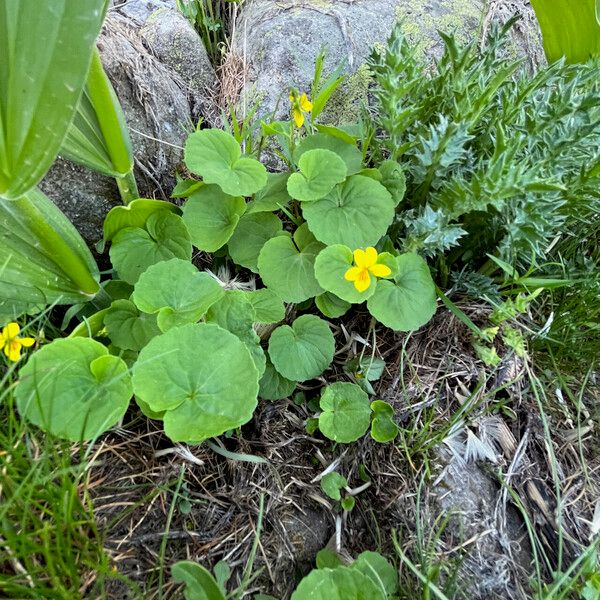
[178, 46]
[281, 39]
[139, 10]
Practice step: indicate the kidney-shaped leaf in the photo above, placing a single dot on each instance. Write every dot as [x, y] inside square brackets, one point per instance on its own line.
[43, 68]
[216, 156]
[134, 249]
[177, 291]
[268, 306]
[74, 389]
[127, 327]
[407, 302]
[211, 216]
[304, 350]
[331, 306]
[383, 426]
[346, 412]
[273, 196]
[251, 234]
[341, 583]
[290, 273]
[202, 376]
[356, 213]
[320, 171]
[274, 386]
[345, 149]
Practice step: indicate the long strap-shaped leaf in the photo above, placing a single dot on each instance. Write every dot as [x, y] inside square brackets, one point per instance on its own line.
[98, 137]
[45, 52]
[570, 28]
[43, 259]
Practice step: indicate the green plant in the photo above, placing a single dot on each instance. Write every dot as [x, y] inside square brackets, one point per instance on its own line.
[570, 30]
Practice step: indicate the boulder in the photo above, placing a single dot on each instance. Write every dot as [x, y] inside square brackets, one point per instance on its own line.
[140, 10]
[281, 38]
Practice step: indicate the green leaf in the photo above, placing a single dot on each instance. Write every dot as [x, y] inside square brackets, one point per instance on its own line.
[186, 187]
[383, 427]
[409, 301]
[273, 196]
[331, 265]
[346, 412]
[42, 72]
[393, 179]
[98, 137]
[378, 570]
[217, 157]
[74, 389]
[327, 559]
[268, 306]
[135, 214]
[341, 583]
[43, 259]
[133, 249]
[147, 411]
[211, 216]
[338, 144]
[569, 29]
[288, 272]
[251, 234]
[235, 312]
[348, 503]
[304, 350]
[331, 306]
[177, 291]
[199, 583]
[303, 237]
[202, 376]
[127, 327]
[356, 213]
[332, 483]
[319, 172]
[337, 132]
[274, 386]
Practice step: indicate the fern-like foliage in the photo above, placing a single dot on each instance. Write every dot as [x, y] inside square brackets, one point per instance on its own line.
[508, 159]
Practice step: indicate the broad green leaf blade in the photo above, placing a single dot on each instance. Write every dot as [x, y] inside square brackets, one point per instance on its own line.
[346, 412]
[74, 389]
[46, 49]
[268, 306]
[43, 259]
[273, 385]
[345, 149]
[127, 327]
[98, 137]
[569, 28]
[378, 570]
[332, 483]
[383, 426]
[341, 583]
[319, 171]
[251, 234]
[331, 306]
[202, 376]
[199, 583]
[304, 350]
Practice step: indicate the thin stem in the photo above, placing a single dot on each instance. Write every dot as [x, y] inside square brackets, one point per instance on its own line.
[127, 187]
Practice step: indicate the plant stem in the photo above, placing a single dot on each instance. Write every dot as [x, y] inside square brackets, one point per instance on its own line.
[127, 187]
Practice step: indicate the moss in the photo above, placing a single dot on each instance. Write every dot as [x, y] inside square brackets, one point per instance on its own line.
[344, 105]
[420, 22]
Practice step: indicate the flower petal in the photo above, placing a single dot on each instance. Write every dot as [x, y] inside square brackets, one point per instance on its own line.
[298, 117]
[2, 341]
[360, 258]
[26, 341]
[352, 274]
[363, 282]
[380, 270]
[11, 330]
[305, 104]
[370, 256]
[13, 351]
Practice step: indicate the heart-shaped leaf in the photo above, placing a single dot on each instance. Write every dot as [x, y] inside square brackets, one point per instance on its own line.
[393, 179]
[378, 570]
[407, 302]
[127, 327]
[345, 148]
[331, 306]
[133, 249]
[383, 426]
[216, 156]
[332, 483]
[287, 271]
[203, 377]
[320, 171]
[211, 216]
[134, 214]
[273, 385]
[251, 234]
[177, 291]
[356, 213]
[268, 306]
[273, 196]
[74, 389]
[341, 583]
[346, 412]
[304, 350]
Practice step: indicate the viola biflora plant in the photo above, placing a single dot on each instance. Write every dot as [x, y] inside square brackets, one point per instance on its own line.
[197, 352]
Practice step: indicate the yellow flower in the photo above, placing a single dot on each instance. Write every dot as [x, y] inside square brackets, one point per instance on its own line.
[300, 106]
[12, 343]
[365, 265]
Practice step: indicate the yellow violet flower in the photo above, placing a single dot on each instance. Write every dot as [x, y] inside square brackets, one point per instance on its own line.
[300, 106]
[12, 343]
[365, 265]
